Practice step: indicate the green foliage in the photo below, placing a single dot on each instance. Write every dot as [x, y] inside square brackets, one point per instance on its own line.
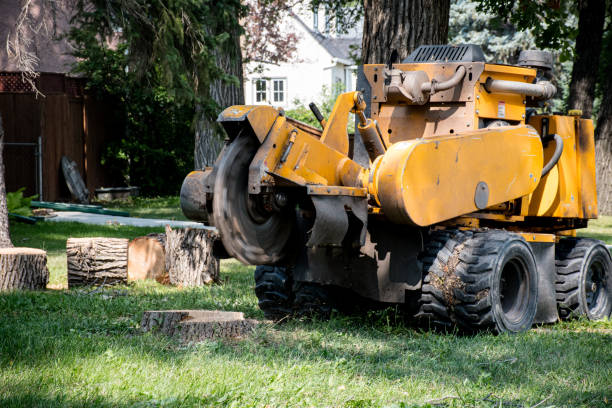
[153, 143]
[17, 203]
[153, 62]
[175, 40]
[552, 25]
[325, 103]
[502, 40]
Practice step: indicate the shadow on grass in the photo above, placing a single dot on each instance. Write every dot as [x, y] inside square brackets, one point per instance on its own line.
[37, 328]
[27, 399]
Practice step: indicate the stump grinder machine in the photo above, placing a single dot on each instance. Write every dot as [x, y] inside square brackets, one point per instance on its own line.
[454, 197]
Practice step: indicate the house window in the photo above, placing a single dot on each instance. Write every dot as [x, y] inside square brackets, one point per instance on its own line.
[279, 90]
[260, 90]
[270, 90]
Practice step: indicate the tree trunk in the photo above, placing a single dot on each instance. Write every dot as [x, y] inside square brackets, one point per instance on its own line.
[392, 29]
[147, 258]
[23, 268]
[5, 236]
[586, 61]
[189, 256]
[197, 325]
[96, 261]
[209, 134]
[603, 150]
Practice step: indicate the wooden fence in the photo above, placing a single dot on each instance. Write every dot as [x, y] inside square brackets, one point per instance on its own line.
[68, 123]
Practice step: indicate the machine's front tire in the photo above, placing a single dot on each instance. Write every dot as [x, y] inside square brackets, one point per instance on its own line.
[273, 289]
[252, 236]
[584, 278]
[312, 300]
[479, 280]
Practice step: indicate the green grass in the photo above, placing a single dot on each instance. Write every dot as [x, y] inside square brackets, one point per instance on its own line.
[158, 207]
[77, 348]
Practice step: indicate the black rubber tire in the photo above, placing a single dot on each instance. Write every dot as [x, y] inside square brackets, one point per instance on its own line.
[273, 289]
[312, 300]
[479, 281]
[577, 260]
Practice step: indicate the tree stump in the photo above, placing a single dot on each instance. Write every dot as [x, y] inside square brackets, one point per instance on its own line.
[147, 258]
[96, 261]
[197, 325]
[23, 268]
[189, 256]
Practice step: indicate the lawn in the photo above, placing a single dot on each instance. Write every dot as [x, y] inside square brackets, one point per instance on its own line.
[82, 348]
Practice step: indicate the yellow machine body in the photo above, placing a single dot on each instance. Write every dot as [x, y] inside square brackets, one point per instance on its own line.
[448, 159]
[437, 156]
[569, 190]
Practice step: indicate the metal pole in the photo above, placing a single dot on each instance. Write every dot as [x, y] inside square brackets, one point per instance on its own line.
[39, 162]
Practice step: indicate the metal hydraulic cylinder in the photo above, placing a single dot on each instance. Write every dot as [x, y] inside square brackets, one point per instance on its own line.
[372, 139]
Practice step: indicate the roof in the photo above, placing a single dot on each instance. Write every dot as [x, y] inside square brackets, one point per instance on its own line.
[340, 48]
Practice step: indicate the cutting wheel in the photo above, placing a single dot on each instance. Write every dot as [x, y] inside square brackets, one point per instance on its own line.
[249, 233]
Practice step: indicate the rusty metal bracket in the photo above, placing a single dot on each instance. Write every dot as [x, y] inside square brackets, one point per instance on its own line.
[315, 190]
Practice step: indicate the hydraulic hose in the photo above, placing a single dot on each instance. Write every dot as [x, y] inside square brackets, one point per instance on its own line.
[433, 86]
[556, 155]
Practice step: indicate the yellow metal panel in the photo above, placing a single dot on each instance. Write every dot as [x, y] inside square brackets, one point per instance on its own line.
[575, 194]
[528, 74]
[538, 237]
[259, 117]
[566, 200]
[294, 155]
[335, 134]
[499, 106]
[586, 167]
[504, 106]
[545, 199]
[426, 181]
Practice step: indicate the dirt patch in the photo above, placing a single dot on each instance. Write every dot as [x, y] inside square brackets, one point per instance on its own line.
[449, 281]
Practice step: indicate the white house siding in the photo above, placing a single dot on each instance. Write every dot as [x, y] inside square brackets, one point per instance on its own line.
[304, 78]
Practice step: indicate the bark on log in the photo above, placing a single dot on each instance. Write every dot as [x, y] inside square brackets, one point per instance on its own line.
[197, 325]
[23, 268]
[189, 256]
[5, 236]
[147, 258]
[96, 261]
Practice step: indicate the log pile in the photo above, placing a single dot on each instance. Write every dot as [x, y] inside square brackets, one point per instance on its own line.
[197, 325]
[23, 268]
[96, 261]
[182, 257]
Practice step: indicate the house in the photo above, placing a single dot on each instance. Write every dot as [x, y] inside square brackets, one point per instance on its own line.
[39, 130]
[323, 61]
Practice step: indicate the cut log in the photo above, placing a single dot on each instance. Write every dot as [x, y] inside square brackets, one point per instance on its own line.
[23, 268]
[96, 261]
[146, 258]
[189, 256]
[197, 325]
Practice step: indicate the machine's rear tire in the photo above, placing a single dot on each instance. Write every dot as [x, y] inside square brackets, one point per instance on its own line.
[273, 289]
[479, 280]
[312, 300]
[584, 278]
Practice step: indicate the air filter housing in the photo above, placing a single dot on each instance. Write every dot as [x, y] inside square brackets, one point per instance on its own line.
[446, 53]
